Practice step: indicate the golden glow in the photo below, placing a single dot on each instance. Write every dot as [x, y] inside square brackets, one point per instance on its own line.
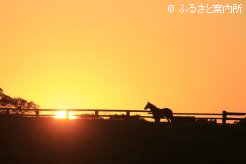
[119, 54]
[63, 115]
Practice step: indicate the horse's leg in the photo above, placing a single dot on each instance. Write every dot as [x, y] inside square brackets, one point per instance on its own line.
[157, 120]
[168, 120]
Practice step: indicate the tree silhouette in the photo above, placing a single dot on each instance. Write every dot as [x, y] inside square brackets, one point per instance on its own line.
[17, 104]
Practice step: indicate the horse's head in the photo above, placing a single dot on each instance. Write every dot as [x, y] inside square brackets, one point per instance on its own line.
[147, 106]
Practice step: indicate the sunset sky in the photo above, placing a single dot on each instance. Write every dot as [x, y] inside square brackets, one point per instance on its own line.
[119, 54]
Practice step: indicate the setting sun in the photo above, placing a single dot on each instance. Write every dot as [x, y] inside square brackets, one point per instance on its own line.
[63, 115]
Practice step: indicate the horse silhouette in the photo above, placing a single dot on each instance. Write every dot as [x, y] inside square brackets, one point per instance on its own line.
[160, 113]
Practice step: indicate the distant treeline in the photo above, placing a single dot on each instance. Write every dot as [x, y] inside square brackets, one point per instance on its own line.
[16, 102]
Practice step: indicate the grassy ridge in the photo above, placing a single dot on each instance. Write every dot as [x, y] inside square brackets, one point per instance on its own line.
[33, 140]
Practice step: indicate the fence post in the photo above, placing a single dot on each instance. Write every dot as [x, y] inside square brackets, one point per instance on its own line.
[224, 117]
[128, 113]
[37, 112]
[96, 112]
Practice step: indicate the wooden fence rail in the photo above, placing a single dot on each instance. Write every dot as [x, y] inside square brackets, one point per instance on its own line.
[224, 116]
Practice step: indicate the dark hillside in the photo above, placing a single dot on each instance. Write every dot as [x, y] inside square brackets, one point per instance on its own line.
[45, 140]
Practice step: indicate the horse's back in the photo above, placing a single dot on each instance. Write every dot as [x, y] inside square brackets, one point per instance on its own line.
[167, 112]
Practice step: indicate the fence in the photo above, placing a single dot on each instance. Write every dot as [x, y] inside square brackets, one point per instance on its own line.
[224, 116]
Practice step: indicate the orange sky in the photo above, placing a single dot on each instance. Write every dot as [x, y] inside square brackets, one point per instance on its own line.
[121, 54]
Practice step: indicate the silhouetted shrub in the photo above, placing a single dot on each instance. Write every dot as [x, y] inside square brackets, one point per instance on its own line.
[124, 117]
[206, 121]
[89, 116]
[182, 119]
[241, 122]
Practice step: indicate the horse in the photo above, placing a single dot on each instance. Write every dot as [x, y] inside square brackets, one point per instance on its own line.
[160, 113]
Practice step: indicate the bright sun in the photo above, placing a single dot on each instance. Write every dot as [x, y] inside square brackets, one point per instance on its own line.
[63, 115]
